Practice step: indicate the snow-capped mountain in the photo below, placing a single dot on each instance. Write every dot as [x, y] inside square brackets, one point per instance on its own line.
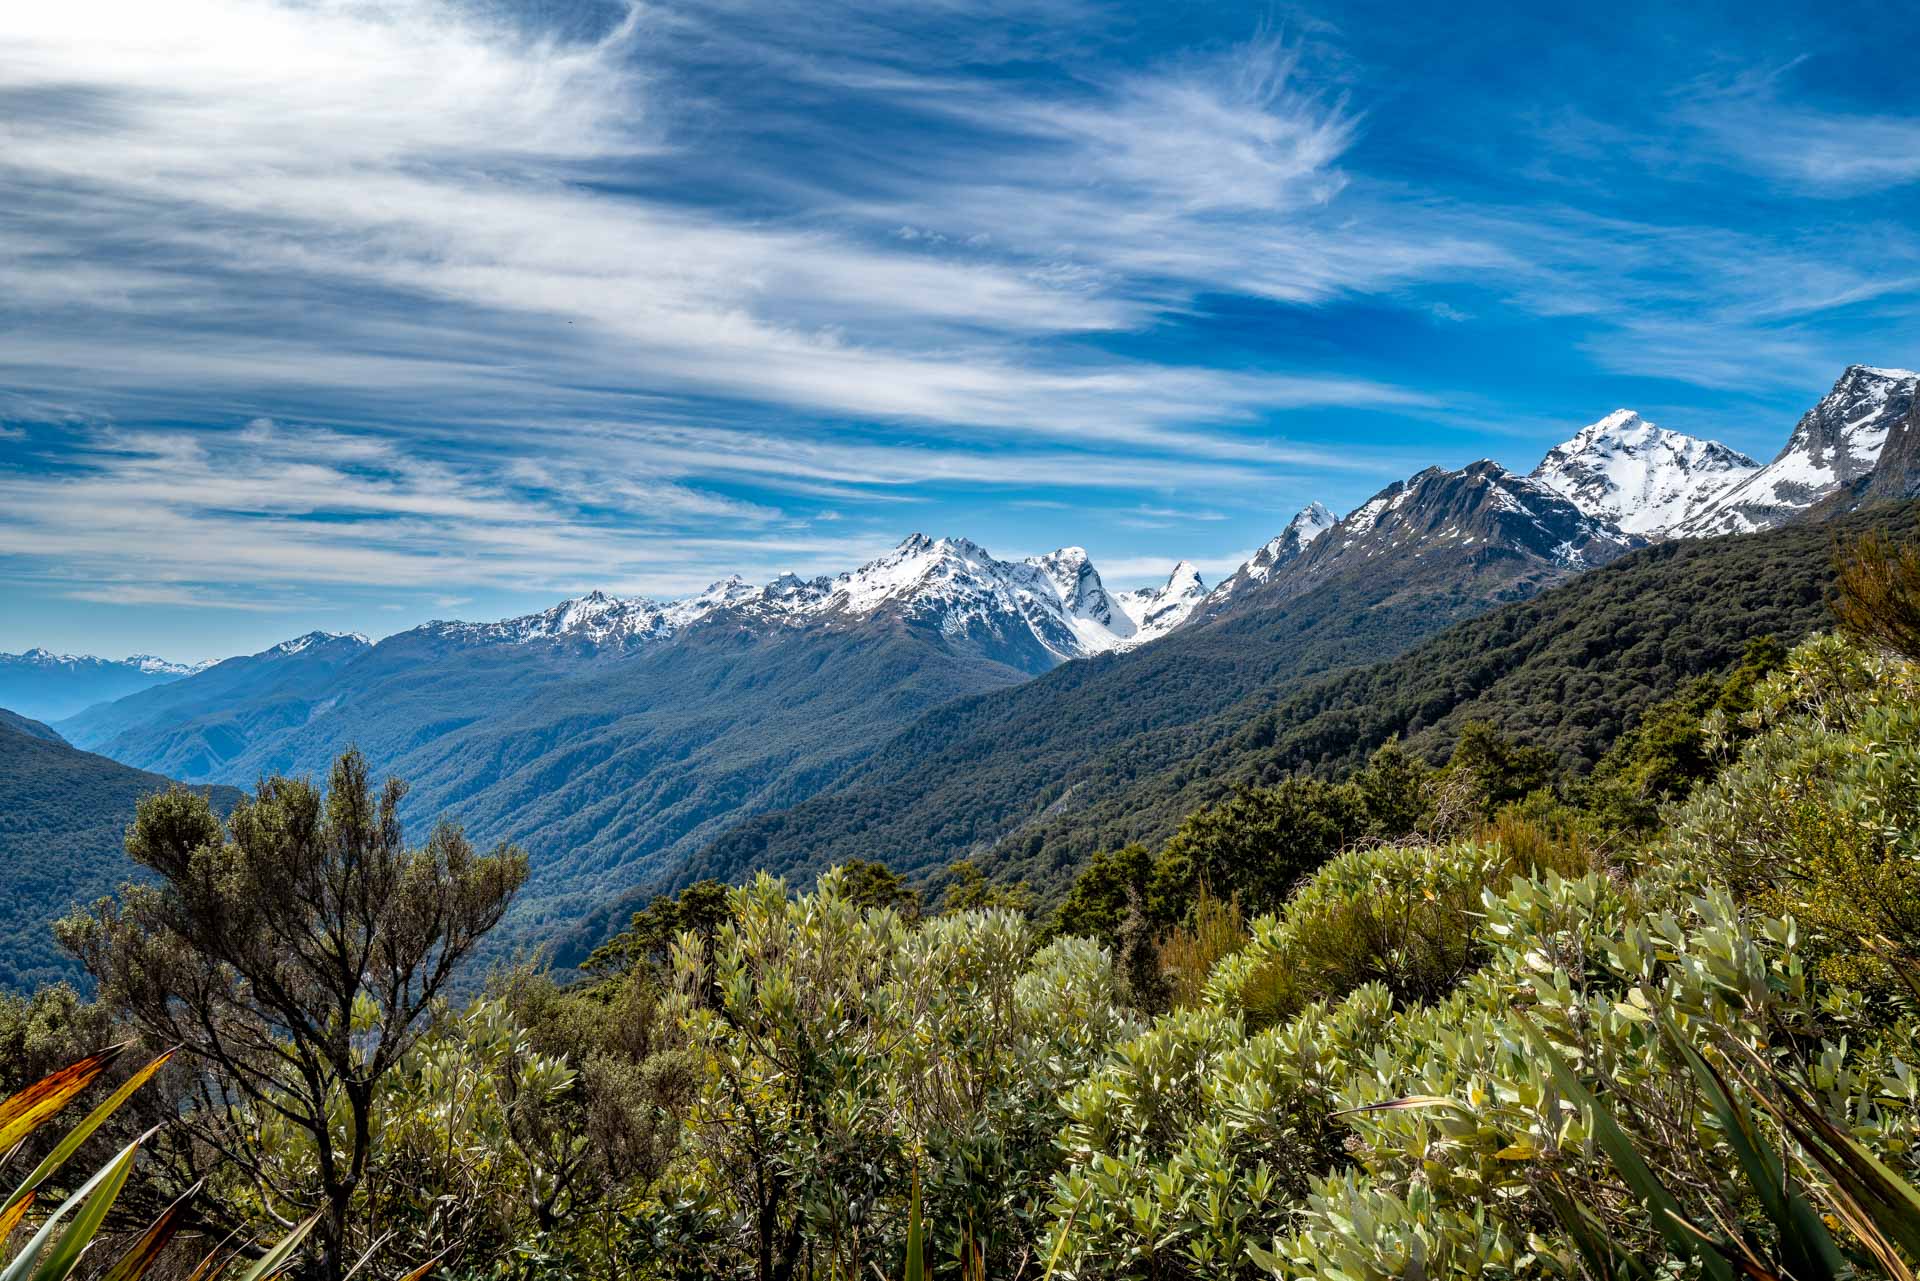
[1894, 478]
[954, 584]
[599, 620]
[1835, 443]
[1155, 611]
[1644, 478]
[145, 664]
[43, 685]
[1483, 505]
[1281, 550]
[1056, 600]
[301, 644]
[1479, 533]
[1082, 593]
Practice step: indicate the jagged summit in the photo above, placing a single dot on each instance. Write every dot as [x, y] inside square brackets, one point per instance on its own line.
[1308, 524]
[1834, 445]
[1642, 477]
[1155, 611]
[1480, 505]
[1056, 601]
[1480, 530]
[1285, 547]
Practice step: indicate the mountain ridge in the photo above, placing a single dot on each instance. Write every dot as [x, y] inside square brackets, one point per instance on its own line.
[1644, 478]
[60, 841]
[1834, 444]
[44, 685]
[948, 697]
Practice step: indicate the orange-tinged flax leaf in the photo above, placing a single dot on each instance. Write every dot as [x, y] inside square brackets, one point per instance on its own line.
[11, 1216]
[146, 1251]
[24, 1113]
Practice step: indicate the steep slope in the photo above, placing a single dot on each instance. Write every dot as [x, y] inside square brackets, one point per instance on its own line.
[1834, 444]
[1569, 670]
[612, 778]
[31, 728]
[1280, 551]
[1479, 533]
[1155, 611]
[1643, 478]
[1421, 555]
[49, 686]
[1490, 529]
[63, 813]
[610, 737]
[194, 728]
[1895, 476]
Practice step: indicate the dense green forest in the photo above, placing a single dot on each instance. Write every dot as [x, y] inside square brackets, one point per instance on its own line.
[62, 815]
[1622, 1009]
[1567, 671]
[1028, 782]
[967, 773]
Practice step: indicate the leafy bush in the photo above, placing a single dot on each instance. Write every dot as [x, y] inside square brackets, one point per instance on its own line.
[849, 1059]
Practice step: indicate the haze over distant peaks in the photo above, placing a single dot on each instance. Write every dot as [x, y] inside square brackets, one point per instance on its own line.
[43, 685]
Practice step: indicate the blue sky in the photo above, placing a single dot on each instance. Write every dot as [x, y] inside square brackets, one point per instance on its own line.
[353, 313]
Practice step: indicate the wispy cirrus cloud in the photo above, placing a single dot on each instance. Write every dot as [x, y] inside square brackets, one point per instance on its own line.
[410, 197]
[233, 519]
[532, 297]
[1818, 152]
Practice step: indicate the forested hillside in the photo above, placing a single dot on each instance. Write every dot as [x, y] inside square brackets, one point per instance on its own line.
[971, 772]
[195, 728]
[62, 815]
[612, 776]
[1568, 671]
[1031, 781]
[1461, 1021]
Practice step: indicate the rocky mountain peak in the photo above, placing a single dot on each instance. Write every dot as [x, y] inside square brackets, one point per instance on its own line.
[1308, 524]
[1155, 611]
[1833, 446]
[1073, 576]
[1642, 477]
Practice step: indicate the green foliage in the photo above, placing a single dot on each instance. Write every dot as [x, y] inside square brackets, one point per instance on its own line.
[1493, 1020]
[63, 818]
[1388, 1076]
[967, 889]
[1004, 771]
[1101, 897]
[1258, 845]
[845, 1051]
[1877, 591]
[1254, 849]
[1569, 671]
[40, 1033]
[62, 1233]
[296, 953]
[1679, 742]
[648, 939]
[1815, 815]
[1500, 770]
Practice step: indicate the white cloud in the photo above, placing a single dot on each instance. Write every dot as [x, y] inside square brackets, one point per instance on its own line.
[392, 195]
[238, 519]
[1825, 154]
